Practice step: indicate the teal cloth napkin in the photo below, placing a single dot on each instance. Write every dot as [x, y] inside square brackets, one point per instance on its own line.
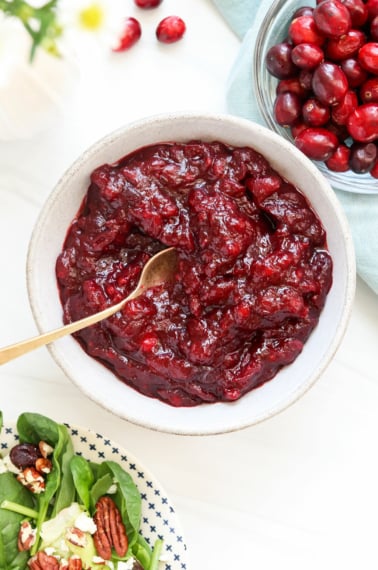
[244, 18]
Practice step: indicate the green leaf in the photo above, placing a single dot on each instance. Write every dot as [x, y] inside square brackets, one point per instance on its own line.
[33, 428]
[83, 479]
[65, 494]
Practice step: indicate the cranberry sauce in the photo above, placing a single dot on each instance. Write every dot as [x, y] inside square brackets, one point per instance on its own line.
[253, 273]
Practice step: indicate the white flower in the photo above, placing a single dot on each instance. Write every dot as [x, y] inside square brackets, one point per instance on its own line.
[91, 20]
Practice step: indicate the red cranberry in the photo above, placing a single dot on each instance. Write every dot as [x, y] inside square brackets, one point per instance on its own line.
[131, 33]
[374, 29]
[369, 90]
[339, 130]
[354, 72]
[372, 7]
[170, 29]
[291, 85]
[297, 128]
[362, 157]
[303, 30]
[287, 108]
[24, 455]
[305, 79]
[329, 83]
[304, 11]
[342, 110]
[339, 160]
[314, 113]
[332, 18]
[148, 3]
[278, 61]
[345, 46]
[307, 56]
[317, 143]
[368, 57]
[362, 123]
[358, 12]
[374, 170]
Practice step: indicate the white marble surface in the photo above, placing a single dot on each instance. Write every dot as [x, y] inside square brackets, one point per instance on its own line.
[297, 491]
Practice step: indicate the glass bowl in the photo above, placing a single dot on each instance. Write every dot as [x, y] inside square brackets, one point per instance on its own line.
[274, 29]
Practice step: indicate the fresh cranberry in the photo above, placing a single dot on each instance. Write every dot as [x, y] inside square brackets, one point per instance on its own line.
[317, 143]
[170, 29]
[374, 170]
[297, 128]
[307, 56]
[287, 108]
[355, 74]
[305, 79]
[340, 131]
[358, 12]
[345, 46]
[148, 3]
[329, 83]
[303, 11]
[372, 7]
[131, 33]
[332, 18]
[291, 85]
[369, 90]
[362, 157]
[362, 123]
[339, 160]
[314, 113]
[374, 29]
[303, 30]
[342, 110]
[368, 57]
[278, 61]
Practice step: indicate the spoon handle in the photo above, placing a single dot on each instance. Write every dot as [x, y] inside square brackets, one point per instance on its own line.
[14, 350]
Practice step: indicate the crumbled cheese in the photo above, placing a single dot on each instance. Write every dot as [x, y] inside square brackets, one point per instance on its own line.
[85, 523]
[7, 465]
[50, 550]
[128, 565]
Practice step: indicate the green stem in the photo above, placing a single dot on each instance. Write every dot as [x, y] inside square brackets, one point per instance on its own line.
[156, 552]
[20, 509]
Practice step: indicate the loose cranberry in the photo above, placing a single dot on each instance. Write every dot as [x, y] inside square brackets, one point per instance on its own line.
[368, 57]
[317, 143]
[170, 29]
[287, 108]
[303, 11]
[278, 61]
[307, 56]
[362, 157]
[354, 72]
[369, 90]
[372, 7]
[374, 170]
[332, 18]
[342, 110]
[345, 46]
[303, 30]
[24, 455]
[291, 85]
[305, 79]
[339, 130]
[362, 123]
[374, 29]
[148, 3]
[339, 160]
[314, 113]
[329, 83]
[131, 33]
[358, 12]
[297, 128]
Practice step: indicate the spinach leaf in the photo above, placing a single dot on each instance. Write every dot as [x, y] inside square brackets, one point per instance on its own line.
[141, 550]
[11, 489]
[100, 487]
[65, 494]
[83, 479]
[33, 428]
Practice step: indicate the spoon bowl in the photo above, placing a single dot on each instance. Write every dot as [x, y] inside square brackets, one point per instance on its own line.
[160, 269]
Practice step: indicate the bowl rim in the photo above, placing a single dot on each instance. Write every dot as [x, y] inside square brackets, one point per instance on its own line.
[348, 289]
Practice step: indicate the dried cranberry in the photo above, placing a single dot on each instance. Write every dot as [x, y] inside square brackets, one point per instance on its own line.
[131, 33]
[307, 56]
[315, 114]
[362, 157]
[339, 160]
[368, 57]
[329, 83]
[148, 3]
[170, 29]
[278, 61]
[317, 143]
[353, 72]
[345, 46]
[369, 90]
[358, 12]
[342, 110]
[362, 123]
[287, 108]
[303, 30]
[332, 18]
[24, 455]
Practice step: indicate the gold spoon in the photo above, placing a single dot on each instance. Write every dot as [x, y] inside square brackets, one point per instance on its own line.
[158, 270]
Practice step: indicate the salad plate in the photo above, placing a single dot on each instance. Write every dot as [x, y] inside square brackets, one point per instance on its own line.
[158, 516]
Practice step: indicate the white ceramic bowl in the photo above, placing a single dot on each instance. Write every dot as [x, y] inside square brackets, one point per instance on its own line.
[97, 382]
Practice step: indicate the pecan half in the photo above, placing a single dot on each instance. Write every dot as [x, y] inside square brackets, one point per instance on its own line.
[110, 531]
[42, 561]
[75, 563]
[26, 536]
